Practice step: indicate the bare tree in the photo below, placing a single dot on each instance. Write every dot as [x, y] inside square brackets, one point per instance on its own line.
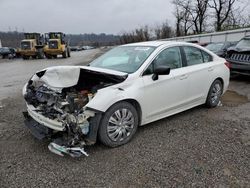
[190, 14]
[238, 18]
[157, 32]
[187, 23]
[137, 35]
[222, 9]
[178, 16]
[166, 30]
[163, 31]
[146, 33]
[199, 13]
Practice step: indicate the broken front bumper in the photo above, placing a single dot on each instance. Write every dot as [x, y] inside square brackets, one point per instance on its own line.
[53, 124]
[44, 128]
[56, 146]
[37, 130]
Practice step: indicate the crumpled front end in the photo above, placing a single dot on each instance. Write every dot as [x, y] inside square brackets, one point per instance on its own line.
[57, 101]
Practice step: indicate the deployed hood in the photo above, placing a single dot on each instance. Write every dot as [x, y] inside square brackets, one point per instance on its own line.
[68, 76]
[237, 49]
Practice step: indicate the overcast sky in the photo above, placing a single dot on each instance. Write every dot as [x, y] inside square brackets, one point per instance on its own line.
[82, 16]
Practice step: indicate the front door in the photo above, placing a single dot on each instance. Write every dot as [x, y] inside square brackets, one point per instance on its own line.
[166, 94]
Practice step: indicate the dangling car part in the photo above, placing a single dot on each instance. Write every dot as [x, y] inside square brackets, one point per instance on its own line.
[130, 85]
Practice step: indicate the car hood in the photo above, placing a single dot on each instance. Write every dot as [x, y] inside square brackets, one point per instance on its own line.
[68, 76]
[236, 49]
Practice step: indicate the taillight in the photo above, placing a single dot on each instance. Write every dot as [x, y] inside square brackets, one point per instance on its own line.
[228, 64]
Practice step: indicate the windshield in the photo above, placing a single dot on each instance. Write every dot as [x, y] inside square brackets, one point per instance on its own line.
[244, 43]
[25, 45]
[215, 47]
[124, 58]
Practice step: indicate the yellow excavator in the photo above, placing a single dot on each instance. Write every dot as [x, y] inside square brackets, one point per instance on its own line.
[32, 46]
[56, 44]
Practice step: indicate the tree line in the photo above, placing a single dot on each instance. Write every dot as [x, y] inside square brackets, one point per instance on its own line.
[199, 16]
[195, 17]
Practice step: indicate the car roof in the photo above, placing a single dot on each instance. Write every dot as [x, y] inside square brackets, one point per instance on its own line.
[155, 43]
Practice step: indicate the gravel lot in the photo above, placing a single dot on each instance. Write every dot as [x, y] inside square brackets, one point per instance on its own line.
[197, 148]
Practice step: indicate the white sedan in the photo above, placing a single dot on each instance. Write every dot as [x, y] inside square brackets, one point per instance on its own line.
[129, 86]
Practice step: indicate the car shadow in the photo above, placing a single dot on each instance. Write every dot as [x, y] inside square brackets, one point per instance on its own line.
[240, 78]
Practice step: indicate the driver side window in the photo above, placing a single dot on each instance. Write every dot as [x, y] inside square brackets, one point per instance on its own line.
[169, 57]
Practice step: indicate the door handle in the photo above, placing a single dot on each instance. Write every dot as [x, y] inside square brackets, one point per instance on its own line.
[183, 77]
[210, 69]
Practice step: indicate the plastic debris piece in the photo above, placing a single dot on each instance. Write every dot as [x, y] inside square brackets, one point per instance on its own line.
[220, 104]
[61, 150]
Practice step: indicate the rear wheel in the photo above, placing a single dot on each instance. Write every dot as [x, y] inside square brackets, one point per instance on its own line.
[68, 51]
[64, 54]
[118, 124]
[214, 94]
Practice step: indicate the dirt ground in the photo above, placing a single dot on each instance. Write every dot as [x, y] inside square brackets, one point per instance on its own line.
[197, 148]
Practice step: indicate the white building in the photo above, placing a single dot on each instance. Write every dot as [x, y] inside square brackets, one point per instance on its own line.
[230, 36]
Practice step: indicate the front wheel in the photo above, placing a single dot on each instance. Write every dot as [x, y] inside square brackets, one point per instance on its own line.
[25, 57]
[118, 124]
[214, 94]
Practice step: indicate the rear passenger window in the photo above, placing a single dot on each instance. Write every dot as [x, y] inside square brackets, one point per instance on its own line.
[206, 57]
[193, 55]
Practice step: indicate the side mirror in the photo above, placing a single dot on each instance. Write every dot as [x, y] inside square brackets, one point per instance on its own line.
[160, 70]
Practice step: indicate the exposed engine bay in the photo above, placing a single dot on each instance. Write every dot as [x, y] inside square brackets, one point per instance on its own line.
[63, 110]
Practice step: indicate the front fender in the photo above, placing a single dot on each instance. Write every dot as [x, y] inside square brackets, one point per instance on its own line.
[105, 98]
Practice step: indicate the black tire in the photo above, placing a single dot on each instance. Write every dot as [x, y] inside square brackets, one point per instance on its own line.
[64, 54]
[40, 55]
[55, 56]
[48, 56]
[214, 94]
[25, 57]
[104, 134]
[68, 51]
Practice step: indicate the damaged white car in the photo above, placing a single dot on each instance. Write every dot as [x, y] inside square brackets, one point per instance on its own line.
[130, 85]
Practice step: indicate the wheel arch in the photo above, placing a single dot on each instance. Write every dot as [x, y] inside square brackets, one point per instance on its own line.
[135, 104]
[222, 82]
[220, 79]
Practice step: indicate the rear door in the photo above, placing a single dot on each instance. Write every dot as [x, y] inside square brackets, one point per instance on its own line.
[199, 73]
